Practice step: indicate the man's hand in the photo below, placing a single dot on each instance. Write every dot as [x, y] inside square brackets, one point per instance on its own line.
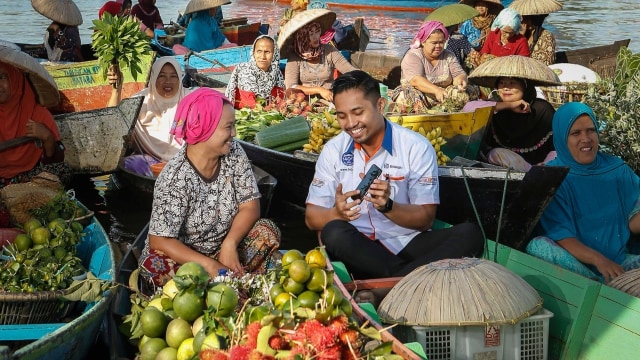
[379, 193]
[348, 210]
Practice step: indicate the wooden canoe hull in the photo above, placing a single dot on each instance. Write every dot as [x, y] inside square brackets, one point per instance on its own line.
[72, 340]
[96, 140]
[590, 320]
[144, 185]
[82, 86]
[244, 34]
[387, 70]
[396, 5]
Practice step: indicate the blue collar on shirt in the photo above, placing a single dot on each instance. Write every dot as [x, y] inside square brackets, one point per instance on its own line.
[387, 141]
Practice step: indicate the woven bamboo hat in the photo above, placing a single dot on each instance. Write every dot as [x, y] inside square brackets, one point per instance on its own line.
[628, 282]
[495, 5]
[322, 16]
[535, 7]
[459, 292]
[197, 5]
[534, 71]
[61, 11]
[41, 81]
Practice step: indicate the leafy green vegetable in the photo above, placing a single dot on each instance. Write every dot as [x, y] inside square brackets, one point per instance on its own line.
[118, 41]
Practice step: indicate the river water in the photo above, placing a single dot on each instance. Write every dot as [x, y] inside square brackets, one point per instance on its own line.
[581, 23]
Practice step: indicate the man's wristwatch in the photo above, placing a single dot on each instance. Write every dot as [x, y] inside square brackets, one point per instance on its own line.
[387, 207]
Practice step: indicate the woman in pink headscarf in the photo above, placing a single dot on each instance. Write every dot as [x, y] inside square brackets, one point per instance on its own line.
[430, 73]
[206, 201]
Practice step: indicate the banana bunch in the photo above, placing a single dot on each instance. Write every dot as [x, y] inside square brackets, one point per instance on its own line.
[324, 126]
[437, 140]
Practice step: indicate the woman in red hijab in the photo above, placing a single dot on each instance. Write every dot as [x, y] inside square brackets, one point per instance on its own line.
[116, 8]
[22, 116]
[149, 15]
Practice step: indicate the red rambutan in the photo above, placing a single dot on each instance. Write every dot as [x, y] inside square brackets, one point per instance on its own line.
[330, 353]
[349, 336]
[277, 342]
[213, 354]
[239, 352]
[338, 324]
[252, 331]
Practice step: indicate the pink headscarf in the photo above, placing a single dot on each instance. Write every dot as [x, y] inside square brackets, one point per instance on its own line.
[198, 116]
[425, 31]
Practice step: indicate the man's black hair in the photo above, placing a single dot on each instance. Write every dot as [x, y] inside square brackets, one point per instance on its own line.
[357, 79]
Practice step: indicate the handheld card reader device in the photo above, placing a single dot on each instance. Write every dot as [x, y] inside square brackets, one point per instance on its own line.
[367, 180]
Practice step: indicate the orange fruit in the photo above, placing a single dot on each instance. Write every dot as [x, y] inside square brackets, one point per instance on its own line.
[223, 298]
[151, 348]
[194, 271]
[292, 286]
[299, 271]
[346, 307]
[275, 290]
[167, 353]
[316, 259]
[57, 226]
[188, 306]
[177, 331]
[40, 236]
[23, 242]
[319, 280]
[31, 224]
[185, 350]
[281, 299]
[153, 322]
[332, 296]
[290, 256]
[308, 299]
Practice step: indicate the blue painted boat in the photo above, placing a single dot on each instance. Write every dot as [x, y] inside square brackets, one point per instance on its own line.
[387, 5]
[74, 339]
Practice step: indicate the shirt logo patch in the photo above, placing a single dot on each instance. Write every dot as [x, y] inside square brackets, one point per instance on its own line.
[347, 159]
[428, 180]
[317, 182]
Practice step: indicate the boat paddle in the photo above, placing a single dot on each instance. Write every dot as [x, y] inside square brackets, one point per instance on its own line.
[212, 61]
[8, 144]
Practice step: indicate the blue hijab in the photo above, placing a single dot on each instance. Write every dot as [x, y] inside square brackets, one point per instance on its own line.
[595, 200]
[203, 32]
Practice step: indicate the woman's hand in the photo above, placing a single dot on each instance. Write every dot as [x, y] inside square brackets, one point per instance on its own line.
[460, 83]
[439, 94]
[609, 269]
[520, 106]
[229, 257]
[38, 130]
[326, 94]
[114, 79]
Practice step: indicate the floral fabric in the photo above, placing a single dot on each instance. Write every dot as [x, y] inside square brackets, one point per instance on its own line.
[545, 48]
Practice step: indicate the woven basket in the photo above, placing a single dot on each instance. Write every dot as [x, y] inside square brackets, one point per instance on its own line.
[628, 282]
[33, 308]
[558, 95]
[20, 198]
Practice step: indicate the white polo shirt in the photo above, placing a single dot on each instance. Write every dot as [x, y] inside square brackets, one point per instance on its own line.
[405, 156]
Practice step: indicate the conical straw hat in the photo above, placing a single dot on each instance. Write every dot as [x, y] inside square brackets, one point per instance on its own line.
[628, 282]
[535, 7]
[534, 71]
[197, 5]
[65, 12]
[494, 5]
[459, 292]
[41, 81]
[322, 16]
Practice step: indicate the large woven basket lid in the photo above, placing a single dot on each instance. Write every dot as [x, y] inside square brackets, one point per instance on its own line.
[41, 81]
[61, 11]
[459, 292]
[494, 5]
[535, 7]
[534, 71]
[322, 16]
[628, 282]
[197, 5]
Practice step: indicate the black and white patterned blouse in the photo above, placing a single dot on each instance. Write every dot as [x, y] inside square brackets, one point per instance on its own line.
[197, 211]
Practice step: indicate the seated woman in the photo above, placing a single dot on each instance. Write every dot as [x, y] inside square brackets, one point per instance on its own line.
[519, 134]
[203, 33]
[587, 224]
[214, 218]
[430, 73]
[22, 116]
[542, 44]
[115, 8]
[477, 28]
[311, 65]
[503, 39]
[151, 139]
[260, 77]
[63, 43]
[148, 15]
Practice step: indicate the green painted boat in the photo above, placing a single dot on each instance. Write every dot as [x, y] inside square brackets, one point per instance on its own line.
[73, 339]
[590, 320]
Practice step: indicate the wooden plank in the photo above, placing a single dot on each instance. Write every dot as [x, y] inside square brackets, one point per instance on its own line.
[585, 56]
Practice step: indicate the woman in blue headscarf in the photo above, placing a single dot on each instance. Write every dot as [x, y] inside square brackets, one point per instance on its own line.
[203, 32]
[588, 223]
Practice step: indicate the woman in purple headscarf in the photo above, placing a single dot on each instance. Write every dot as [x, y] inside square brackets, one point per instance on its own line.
[206, 205]
[430, 73]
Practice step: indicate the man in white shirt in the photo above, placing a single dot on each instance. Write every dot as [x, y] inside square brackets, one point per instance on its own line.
[388, 231]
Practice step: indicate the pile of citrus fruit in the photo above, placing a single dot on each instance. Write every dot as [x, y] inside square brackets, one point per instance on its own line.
[43, 258]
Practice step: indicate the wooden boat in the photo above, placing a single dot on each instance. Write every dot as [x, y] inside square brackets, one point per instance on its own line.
[95, 140]
[590, 320]
[82, 86]
[387, 69]
[120, 345]
[396, 5]
[38, 51]
[74, 339]
[145, 184]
